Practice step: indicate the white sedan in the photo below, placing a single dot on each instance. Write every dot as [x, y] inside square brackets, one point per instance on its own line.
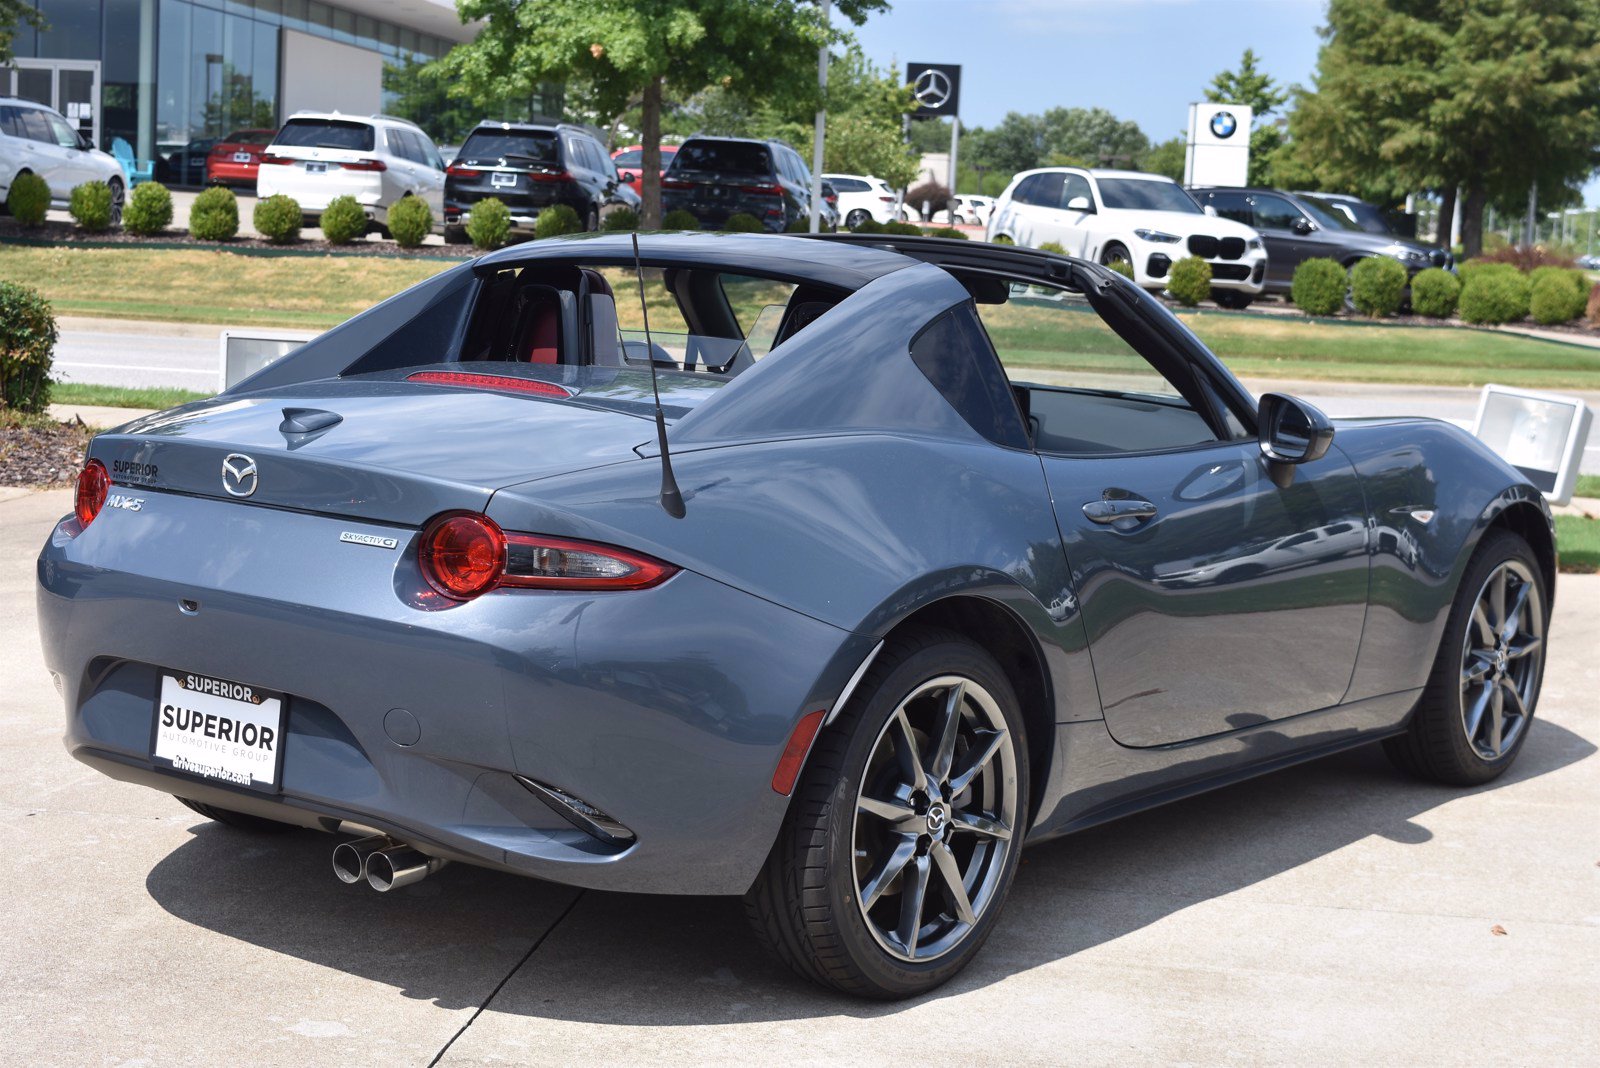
[1145, 221]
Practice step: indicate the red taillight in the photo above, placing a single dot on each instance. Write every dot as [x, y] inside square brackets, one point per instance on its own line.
[549, 176]
[463, 172]
[763, 190]
[887, 200]
[269, 158]
[794, 754]
[365, 165]
[474, 380]
[94, 482]
[676, 184]
[464, 555]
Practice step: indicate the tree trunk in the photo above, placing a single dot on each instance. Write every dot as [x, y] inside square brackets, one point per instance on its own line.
[1447, 217]
[650, 165]
[1472, 222]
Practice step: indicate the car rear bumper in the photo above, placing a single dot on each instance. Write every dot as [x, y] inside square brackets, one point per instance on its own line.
[668, 709]
[230, 172]
[314, 192]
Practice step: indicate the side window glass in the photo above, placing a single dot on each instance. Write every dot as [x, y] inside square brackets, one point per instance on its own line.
[35, 127]
[955, 355]
[1024, 193]
[1077, 186]
[61, 131]
[401, 142]
[1275, 213]
[1048, 192]
[8, 122]
[430, 152]
[1235, 206]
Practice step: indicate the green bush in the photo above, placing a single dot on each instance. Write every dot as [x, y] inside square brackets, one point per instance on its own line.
[277, 218]
[869, 225]
[489, 223]
[1190, 282]
[214, 215]
[679, 220]
[557, 220]
[149, 210]
[410, 221]
[27, 338]
[902, 229]
[950, 232]
[1319, 286]
[29, 199]
[343, 220]
[90, 206]
[1469, 269]
[623, 220]
[1053, 246]
[1494, 296]
[802, 225]
[1434, 293]
[1003, 239]
[1377, 286]
[1122, 267]
[1576, 281]
[742, 222]
[1550, 300]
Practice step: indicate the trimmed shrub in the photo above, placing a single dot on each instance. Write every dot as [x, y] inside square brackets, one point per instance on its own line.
[936, 194]
[1470, 269]
[1053, 246]
[214, 215]
[1434, 293]
[1494, 296]
[1554, 299]
[1122, 267]
[902, 229]
[679, 219]
[742, 222]
[1190, 282]
[1002, 239]
[557, 220]
[343, 220]
[948, 231]
[489, 223]
[277, 218]
[1377, 286]
[622, 220]
[869, 225]
[1576, 280]
[149, 210]
[90, 206]
[29, 199]
[1592, 312]
[802, 225]
[27, 339]
[1319, 286]
[410, 221]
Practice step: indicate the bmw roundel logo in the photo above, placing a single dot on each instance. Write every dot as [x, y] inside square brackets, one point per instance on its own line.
[1223, 124]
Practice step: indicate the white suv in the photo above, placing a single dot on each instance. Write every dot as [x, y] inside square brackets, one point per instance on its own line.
[35, 139]
[1144, 220]
[317, 156]
[863, 197]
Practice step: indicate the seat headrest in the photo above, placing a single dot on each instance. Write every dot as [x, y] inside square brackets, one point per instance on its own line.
[603, 324]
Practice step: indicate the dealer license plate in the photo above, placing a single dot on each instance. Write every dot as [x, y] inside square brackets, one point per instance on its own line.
[241, 157]
[502, 180]
[219, 730]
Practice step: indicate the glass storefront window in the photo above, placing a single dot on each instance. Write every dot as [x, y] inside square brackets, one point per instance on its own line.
[74, 31]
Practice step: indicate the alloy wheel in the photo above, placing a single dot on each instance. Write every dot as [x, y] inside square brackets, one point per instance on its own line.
[934, 818]
[1500, 660]
[117, 197]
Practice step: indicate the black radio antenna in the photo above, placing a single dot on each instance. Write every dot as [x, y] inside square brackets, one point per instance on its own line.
[671, 498]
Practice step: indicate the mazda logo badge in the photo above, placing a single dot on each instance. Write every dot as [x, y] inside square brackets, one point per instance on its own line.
[1223, 124]
[932, 89]
[239, 474]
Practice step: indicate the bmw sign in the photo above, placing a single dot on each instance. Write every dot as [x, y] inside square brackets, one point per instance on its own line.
[936, 87]
[1223, 124]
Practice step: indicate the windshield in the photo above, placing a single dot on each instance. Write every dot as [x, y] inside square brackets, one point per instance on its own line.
[503, 144]
[249, 137]
[728, 157]
[1327, 216]
[1141, 194]
[325, 133]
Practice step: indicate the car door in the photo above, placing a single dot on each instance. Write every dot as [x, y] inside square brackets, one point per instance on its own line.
[1044, 219]
[46, 156]
[1287, 232]
[430, 173]
[1077, 216]
[1202, 617]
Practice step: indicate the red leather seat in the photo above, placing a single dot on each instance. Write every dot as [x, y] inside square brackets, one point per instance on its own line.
[544, 334]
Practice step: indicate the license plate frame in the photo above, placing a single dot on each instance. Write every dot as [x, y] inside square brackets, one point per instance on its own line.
[190, 739]
[502, 180]
[316, 168]
[241, 157]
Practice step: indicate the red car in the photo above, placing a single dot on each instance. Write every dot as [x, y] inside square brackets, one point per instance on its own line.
[628, 161]
[234, 159]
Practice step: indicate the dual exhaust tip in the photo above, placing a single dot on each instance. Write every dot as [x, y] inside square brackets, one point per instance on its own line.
[384, 863]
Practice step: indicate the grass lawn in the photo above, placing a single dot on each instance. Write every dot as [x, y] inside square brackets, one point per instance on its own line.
[1588, 486]
[120, 396]
[1578, 543]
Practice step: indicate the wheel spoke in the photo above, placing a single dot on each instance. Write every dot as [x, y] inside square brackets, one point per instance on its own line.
[1475, 713]
[892, 865]
[1497, 600]
[1515, 699]
[905, 752]
[1527, 645]
[912, 894]
[1480, 620]
[1514, 613]
[944, 752]
[1497, 718]
[954, 888]
[976, 759]
[981, 824]
[893, 811]
[1477, 667]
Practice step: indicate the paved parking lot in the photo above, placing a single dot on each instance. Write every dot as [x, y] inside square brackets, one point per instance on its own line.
[1330, 914]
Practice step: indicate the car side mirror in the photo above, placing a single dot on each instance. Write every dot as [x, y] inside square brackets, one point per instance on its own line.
[1291, 432]
[625, 177]
[1080, 204]
[1302, 225]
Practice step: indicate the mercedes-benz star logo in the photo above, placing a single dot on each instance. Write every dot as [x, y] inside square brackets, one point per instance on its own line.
[932, 89]
[239, 474]
[1223, 124]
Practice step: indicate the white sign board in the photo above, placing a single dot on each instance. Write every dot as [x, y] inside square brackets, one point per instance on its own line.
[246, 351]
[1540, 434]
[1219, 145]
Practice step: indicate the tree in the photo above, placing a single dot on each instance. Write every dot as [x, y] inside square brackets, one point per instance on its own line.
[1017, 144]
[620, 53]
[1255, 90]
[1167, 158]
[13, 15]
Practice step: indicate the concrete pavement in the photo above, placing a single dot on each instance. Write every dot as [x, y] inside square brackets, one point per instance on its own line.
[1332, 914]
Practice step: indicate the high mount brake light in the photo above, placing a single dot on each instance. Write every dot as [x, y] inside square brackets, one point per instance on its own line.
[463, 555]
[94, 482]
[475, 380]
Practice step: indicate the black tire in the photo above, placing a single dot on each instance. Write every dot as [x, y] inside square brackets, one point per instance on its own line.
[1437, 744]
[591, 222]
[1231, 299]
[806, 904]
[1113, 252]
[241, 820]
[118, 198]
[455, 235]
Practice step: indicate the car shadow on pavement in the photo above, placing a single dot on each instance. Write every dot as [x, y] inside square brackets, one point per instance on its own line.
[640, 960]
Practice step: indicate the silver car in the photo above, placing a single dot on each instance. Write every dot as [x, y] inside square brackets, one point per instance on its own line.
[35, 139]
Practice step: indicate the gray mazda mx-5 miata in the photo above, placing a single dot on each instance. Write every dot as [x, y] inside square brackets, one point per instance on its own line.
[933, 549]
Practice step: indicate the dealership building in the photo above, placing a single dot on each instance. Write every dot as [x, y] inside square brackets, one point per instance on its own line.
[163, 74]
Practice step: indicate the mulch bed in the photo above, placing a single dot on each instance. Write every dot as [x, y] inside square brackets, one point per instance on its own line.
[54, 232]
[42, 452]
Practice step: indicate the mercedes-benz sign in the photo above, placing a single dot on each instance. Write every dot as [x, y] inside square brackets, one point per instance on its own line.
[936, 88]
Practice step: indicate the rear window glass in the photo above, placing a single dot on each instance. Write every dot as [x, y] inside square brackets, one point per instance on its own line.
[631, 158]
[326, 133]
[850, 185]
[728, 157]
[526, 145]
[249, 137]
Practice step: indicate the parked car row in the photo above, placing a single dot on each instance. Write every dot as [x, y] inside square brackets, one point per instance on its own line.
[1253, 238]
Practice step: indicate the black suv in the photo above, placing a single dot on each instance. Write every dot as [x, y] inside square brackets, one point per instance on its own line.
[1296, 228]
[714, 177]
[532, 167]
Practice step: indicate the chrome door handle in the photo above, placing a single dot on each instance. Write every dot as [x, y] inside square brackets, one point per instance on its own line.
[1115, 509]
